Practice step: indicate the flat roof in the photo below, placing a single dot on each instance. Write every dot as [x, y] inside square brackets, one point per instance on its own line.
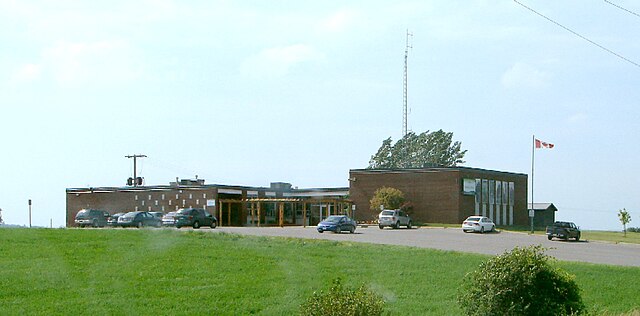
[433, 169]
[230, 189]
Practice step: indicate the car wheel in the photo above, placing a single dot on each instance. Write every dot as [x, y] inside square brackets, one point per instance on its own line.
[578, 237]
[352, 230]
[338, 230]
[321, 231]
[464, 230]
[94, 223]
[493, 228]
[213, 224]
[140, 224]
[397, 225]
[482, 229]
[549, 237]
[379, 226]
[196, 225]
[409, 225]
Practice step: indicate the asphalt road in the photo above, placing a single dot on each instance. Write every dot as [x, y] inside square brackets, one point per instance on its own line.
[454, 239]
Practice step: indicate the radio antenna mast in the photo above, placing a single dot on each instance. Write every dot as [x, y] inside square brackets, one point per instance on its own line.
[405, 84]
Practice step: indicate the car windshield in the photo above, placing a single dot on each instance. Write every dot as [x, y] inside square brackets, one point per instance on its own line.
[388, 213]
[473, 219]
[333, 219]
[82, 213]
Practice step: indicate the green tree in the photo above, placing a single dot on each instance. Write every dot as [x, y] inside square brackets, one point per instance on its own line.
[520, 282]
[419, 151]
[624, 218]
[390, 198]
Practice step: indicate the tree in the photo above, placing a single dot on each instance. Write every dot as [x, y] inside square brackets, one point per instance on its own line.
[390, 198]
[625, 218]
[423, 150]
[520, 282]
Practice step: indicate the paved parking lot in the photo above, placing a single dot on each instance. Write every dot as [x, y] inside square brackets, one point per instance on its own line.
[455, 239]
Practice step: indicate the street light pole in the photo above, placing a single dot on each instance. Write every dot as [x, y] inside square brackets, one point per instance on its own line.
[29, 213]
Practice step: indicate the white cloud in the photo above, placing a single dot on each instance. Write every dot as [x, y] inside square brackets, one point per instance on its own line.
[76, 62]
[276, 62]
[524, 76]
[27, 73]
[338, 21]
[578, 117]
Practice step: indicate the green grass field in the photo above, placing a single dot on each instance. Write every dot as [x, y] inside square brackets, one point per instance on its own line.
[164, 271]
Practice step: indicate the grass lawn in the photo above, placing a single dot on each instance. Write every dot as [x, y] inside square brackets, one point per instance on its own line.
[164, 271]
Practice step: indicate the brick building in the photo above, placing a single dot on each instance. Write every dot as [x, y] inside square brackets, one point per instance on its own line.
[446, 195]
[277, 205]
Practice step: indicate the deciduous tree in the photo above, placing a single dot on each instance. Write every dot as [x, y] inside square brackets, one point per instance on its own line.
[390, 198]
[625, 218]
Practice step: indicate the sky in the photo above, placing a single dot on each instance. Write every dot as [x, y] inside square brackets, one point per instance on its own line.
[253, 92]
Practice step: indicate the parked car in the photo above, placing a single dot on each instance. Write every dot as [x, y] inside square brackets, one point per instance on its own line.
[478, 224]
[158, 215]
[195, 217]
[169, 219]
[113, 219]
[90, 217]
[393, 219]
[138, 219]
[563, 230]
[337, 224]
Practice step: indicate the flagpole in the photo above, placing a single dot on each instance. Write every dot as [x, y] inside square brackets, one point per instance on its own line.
[533, 159]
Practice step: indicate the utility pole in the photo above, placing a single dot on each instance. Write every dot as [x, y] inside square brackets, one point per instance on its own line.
[405, 86]
[29, 213]
[135, 181]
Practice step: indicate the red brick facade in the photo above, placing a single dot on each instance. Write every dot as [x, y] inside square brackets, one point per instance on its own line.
[437, 194]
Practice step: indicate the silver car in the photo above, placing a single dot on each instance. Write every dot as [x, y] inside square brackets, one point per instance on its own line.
[393, 219]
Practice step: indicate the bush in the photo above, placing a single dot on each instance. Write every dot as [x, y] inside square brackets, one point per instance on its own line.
[520, 282]
[343, 301]
[633, 229]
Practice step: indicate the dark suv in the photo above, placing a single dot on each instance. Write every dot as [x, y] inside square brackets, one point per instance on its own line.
[94, 218]
[195, 217]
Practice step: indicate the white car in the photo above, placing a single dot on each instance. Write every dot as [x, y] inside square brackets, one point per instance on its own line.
[478, 224]
[393, 219]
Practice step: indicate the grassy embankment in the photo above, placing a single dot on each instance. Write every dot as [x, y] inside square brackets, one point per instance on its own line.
[164, 271]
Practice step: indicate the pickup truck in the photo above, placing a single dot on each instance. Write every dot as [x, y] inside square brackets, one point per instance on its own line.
[564, 230]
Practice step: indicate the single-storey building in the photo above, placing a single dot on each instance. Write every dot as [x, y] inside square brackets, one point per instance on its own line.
[279, 204]
[544, 214]
[445, 194]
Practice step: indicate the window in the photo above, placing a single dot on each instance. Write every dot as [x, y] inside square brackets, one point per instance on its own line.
[204, 195]
[197, 201]
[190, 196]
[142, 202]
[149, 197]
[162, 196]
[136, 197]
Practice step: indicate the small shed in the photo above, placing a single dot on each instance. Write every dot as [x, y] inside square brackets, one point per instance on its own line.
[545, 214]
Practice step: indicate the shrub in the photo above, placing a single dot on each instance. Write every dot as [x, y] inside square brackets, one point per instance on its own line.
[520, 282]
[339, 300]
[633, 229]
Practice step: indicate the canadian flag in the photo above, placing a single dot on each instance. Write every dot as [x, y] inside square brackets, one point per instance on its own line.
[541, 144]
